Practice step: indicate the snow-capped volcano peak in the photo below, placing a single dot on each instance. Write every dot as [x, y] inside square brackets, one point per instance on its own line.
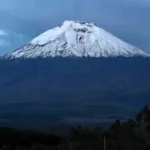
[67, 28]
[78, 39]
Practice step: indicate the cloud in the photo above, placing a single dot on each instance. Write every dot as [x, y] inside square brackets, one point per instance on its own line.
[3, 42]
[10, 40]
[3, 33]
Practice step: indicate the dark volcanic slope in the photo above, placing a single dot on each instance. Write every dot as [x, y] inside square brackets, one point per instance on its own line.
[73, 88]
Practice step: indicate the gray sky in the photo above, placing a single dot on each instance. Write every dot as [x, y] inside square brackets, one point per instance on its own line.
[22, 20]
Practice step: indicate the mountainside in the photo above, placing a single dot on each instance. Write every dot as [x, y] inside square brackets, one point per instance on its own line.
[44, 92]
[76, 39]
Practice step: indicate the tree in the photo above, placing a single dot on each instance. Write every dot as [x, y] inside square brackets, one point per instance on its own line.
[143, 116]
[138, 118]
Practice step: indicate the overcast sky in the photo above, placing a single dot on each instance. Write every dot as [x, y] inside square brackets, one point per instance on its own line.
[22, 20]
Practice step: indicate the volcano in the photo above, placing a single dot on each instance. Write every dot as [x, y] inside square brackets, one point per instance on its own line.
[76, 73]
[76, 39]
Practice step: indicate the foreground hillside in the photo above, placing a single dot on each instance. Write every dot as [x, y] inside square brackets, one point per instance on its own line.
[133, 134]
[72, 89]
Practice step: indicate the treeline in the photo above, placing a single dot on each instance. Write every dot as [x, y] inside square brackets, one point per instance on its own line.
[133, 134]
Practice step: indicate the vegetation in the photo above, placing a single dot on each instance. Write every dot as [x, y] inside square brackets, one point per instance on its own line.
[133, 134]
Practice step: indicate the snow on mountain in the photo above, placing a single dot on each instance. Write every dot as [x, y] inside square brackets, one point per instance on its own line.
[76, 39]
